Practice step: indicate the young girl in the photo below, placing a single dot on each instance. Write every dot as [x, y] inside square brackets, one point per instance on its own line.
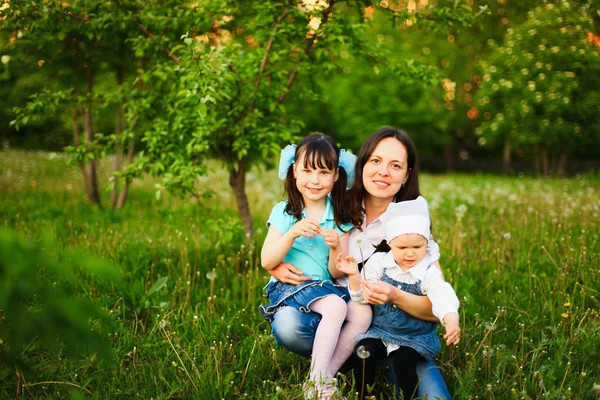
[310, 231]
[394, 332]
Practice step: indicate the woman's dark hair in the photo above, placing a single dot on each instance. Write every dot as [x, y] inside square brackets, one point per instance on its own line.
[319, 151]
[409, 191]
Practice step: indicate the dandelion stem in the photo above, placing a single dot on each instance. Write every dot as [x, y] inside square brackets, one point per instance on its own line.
[485, 337]
[247, 366]
[177, 354]
[58, 383]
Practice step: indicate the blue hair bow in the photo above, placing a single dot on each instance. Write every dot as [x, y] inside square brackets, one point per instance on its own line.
[347, 161]
[286, 160]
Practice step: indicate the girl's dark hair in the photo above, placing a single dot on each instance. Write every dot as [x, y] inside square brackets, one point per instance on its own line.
[319, 151]
[409, 191]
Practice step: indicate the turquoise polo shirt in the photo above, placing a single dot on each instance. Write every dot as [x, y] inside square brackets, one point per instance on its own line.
[311, 255]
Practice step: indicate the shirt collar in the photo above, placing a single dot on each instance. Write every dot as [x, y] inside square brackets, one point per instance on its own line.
[327, 214]
[418, 271]
[375, 221]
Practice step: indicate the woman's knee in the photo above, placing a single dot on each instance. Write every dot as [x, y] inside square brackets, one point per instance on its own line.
[295, 330]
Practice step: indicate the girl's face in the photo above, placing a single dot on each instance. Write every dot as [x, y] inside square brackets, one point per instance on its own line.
[313, 183]
[386, 169]
[408, 249]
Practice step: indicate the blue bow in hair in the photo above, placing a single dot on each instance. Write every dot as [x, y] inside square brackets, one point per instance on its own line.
[287, 158]
[348, 161]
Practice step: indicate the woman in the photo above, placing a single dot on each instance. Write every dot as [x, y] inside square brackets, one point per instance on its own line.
[386, 172]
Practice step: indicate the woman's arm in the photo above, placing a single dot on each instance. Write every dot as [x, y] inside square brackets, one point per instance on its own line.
[288, 273]
[418, 306]
[382, 292]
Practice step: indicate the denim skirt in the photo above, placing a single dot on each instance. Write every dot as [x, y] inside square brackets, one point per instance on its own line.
[298, 296]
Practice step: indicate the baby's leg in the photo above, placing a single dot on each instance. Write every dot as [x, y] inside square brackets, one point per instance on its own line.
[358, 321]
[369, 352]
[405, 367]
[333, 311]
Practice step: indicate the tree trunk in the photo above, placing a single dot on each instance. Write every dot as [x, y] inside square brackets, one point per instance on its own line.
[77, 140]
[119, 147]
[125, 187]
[536, 161]
[506, 157]
[237, 181]
[545, 162]
[561, 167]
[449, 157]
[94, 194]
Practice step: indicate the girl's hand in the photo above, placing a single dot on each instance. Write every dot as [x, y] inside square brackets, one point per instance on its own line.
[346, 264]
[331, 238]
[452, 335]
[378, 292]
[306, 227]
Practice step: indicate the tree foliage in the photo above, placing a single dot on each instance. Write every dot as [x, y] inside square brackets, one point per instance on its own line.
[199, 80]
[225, 96]
[540, 88]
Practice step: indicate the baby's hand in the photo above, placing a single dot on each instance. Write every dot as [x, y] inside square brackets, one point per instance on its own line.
[305, 227]
[452, 335]
[331, 238]
[346, 264]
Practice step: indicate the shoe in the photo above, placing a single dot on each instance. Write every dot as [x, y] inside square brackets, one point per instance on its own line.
[327, 391]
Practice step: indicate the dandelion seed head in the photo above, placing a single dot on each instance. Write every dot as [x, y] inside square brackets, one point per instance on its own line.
[362, 353]
[211, 275]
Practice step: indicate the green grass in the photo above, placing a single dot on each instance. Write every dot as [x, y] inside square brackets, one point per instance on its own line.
[521, 253]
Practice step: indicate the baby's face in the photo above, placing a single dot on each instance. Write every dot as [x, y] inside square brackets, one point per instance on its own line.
[408, 249]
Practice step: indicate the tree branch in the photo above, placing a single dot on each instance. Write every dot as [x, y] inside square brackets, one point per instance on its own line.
[307, 49]
[266, 55]
[165, 48]
[146, 32]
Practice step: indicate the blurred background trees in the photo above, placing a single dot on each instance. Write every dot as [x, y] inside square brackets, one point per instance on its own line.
[164, 86]
[540, 89]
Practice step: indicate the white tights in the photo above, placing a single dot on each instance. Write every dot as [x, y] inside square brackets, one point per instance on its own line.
[333, 343]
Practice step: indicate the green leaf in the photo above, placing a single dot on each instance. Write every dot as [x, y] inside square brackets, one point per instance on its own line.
[158, 285]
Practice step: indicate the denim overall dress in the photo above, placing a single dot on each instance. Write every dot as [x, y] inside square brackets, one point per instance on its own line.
[394, 325]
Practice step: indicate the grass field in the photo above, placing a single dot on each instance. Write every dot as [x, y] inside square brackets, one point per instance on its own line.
[521, 253]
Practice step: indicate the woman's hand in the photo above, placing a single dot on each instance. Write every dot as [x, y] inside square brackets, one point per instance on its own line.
[346, 264]
[331, 238]
[379, 292]
[452, 335]
[287, 273]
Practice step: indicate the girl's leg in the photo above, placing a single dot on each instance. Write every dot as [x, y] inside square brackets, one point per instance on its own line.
[358, 320]
[405, 367]
[333, 311]
[364, 368]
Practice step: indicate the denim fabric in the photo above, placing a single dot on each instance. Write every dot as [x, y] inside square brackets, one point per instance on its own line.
[396, 326]
[298, 296]
[295, 331]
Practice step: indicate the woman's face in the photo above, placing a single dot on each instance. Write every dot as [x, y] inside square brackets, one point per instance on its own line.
[386, 169]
